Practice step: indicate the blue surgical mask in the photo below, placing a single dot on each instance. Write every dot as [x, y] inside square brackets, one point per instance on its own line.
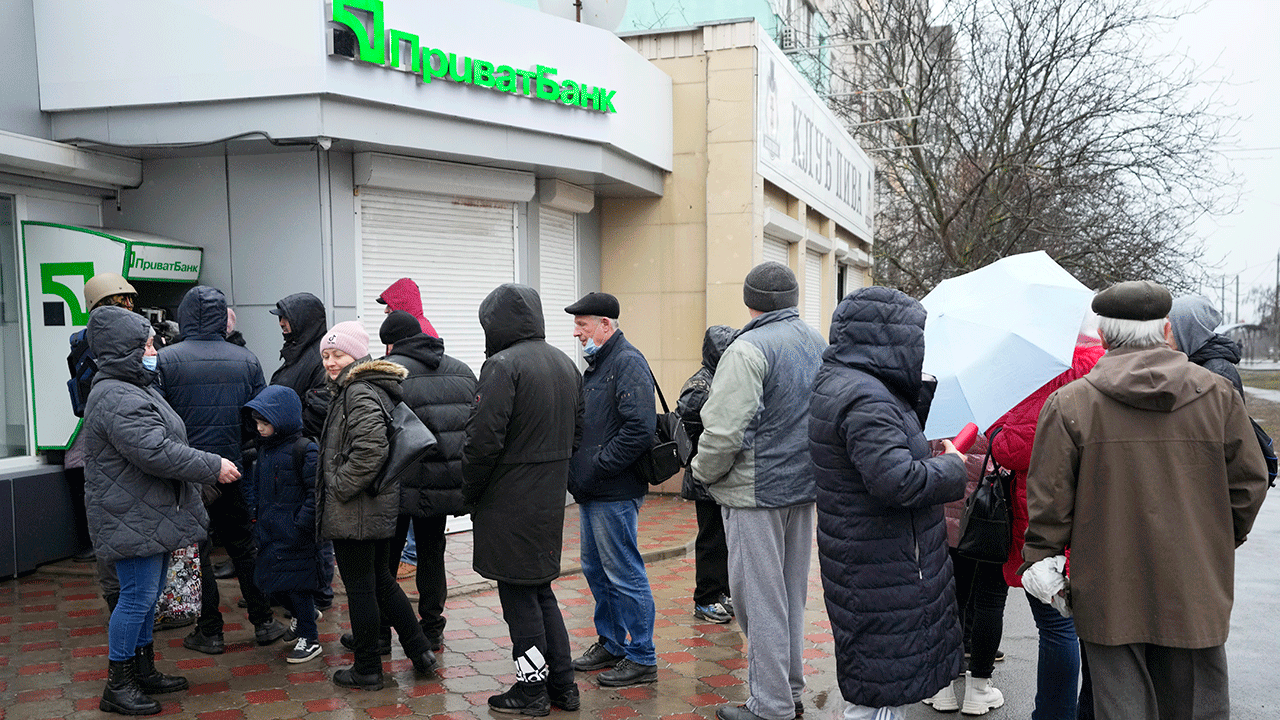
[149, 362]
[590, 347]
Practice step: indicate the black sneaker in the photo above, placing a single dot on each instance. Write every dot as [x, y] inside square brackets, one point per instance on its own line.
[523, 699]
[424, 662]
[303, 651]
[173, 623]
[596, 658]
[207, 644]
[268, 632]
[565, 698]
[349, 642]
[349, 678]
[626, 673]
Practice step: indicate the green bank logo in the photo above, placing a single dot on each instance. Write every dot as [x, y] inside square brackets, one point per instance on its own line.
[141, 265]
[364, 37]
[55, 311]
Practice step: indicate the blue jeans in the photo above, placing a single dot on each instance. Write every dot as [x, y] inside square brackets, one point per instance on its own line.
[1058, 670]
[615, 572]
[410, 552]
[141, 580]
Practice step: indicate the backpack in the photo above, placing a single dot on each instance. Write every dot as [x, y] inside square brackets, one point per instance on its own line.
[83, 366]
[300, 456]
[1268, 451]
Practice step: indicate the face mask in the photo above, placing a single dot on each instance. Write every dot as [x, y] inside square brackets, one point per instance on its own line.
[590, 348]
[149, 362]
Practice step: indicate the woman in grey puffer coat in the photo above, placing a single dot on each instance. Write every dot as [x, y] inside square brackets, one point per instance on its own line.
[138, 499]
[353, 448]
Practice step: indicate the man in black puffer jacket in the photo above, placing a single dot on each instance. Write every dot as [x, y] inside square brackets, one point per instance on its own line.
[525, 426]
[882, 539]
[441, 391]
[207, 380]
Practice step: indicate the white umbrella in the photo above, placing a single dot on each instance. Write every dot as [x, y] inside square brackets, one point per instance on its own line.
[995, 335]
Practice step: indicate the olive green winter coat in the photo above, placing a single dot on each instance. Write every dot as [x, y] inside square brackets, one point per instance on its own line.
[353, 448]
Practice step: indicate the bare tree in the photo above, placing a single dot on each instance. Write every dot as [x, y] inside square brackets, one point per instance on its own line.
[1026, 125]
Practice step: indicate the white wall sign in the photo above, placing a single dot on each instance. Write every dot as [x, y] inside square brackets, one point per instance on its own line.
[803, 148]
[163, 262]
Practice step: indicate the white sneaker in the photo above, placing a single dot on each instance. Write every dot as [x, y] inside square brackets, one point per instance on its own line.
[303, 651]
[980, 696]
[945, 701]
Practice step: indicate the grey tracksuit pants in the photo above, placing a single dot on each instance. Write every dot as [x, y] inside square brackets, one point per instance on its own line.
[769, 552]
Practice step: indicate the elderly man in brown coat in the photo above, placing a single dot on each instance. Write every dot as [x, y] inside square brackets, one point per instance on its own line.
[1147, 469]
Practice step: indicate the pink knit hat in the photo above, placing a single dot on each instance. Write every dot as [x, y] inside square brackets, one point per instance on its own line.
[350, 337]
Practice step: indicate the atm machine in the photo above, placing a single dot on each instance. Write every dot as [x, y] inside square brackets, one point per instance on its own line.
[57, 261]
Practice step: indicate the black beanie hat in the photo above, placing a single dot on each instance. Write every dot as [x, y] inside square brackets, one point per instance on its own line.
[398, 326]
[770, 286]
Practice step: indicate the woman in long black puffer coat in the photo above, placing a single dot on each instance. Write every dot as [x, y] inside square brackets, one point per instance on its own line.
[882, 540]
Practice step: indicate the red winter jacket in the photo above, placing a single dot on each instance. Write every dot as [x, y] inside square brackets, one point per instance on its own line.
[404, 295]
[1012, 448]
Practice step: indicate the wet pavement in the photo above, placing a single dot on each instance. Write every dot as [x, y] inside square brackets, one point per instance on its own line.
[53, 646]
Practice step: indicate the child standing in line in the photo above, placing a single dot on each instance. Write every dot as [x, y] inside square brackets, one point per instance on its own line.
[280, 490]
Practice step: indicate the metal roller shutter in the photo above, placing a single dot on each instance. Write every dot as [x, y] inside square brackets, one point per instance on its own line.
[558, 270]
[456, 249]
[777, 250]
[813, 289]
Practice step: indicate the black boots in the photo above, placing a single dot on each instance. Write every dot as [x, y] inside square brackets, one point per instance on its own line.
[122, 694]
[523, 699]
[150, 680]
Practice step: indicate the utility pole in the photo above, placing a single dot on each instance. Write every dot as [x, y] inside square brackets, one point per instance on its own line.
[1275, 308]
[1237, 317]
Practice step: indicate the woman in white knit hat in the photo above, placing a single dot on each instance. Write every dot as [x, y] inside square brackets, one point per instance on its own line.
[359, 520]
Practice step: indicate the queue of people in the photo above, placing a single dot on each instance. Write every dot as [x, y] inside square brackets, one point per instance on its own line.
[787, 432]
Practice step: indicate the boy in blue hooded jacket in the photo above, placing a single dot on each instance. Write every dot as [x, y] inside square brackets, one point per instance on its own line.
[280, 491]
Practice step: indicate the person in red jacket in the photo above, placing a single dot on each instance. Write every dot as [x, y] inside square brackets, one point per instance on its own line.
[1059, 662]
[404, 295]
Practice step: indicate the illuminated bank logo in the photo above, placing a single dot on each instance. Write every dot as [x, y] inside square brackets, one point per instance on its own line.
[362, 36]
[55, 311]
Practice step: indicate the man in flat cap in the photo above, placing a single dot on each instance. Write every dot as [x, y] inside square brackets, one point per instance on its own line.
[753, 456]
[617, 428]
[1153, 459]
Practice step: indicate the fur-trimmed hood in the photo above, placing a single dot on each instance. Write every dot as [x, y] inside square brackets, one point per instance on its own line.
[385, 374]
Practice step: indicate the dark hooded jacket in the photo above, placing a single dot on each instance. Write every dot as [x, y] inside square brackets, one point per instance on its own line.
[284, 498]
[353, 448]
[207, 379]
[882, 541]
[405, 295]
[694, 395]
[441, 391]
[519, 439]
[301, 369]
[139, 468]
[618, 424]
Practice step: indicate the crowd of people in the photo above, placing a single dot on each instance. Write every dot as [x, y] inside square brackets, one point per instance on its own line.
[1132, 445]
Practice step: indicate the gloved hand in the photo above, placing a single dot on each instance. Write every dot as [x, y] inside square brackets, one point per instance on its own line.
[1044, 579]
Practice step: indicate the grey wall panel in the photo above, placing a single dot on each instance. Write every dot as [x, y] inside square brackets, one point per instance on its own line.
[185, 199]
[341, 217]
[589, 250]
[276, 241]
[20, 99]
[8, 557]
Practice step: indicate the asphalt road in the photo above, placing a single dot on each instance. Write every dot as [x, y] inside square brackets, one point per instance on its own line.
[1253, 648]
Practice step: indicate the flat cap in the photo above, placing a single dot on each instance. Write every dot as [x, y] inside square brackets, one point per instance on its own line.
[1134, 300]
[596, 303]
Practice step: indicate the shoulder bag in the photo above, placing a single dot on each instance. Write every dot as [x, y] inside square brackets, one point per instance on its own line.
[408, 442]
[662, 459]
[986, 528]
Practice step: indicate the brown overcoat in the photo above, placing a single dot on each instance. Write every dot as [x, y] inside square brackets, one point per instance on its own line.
[1148, 469]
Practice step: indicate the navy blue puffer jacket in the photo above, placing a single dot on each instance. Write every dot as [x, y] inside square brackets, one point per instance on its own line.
[618, 423]
[882, 541]
[285, 502]
[207, 379]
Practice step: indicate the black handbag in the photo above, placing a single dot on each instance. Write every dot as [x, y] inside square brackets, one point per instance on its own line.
[662, 460]
[408, 442]
[986, 529]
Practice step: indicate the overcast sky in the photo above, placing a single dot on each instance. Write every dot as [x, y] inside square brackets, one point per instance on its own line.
[1236, 40]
